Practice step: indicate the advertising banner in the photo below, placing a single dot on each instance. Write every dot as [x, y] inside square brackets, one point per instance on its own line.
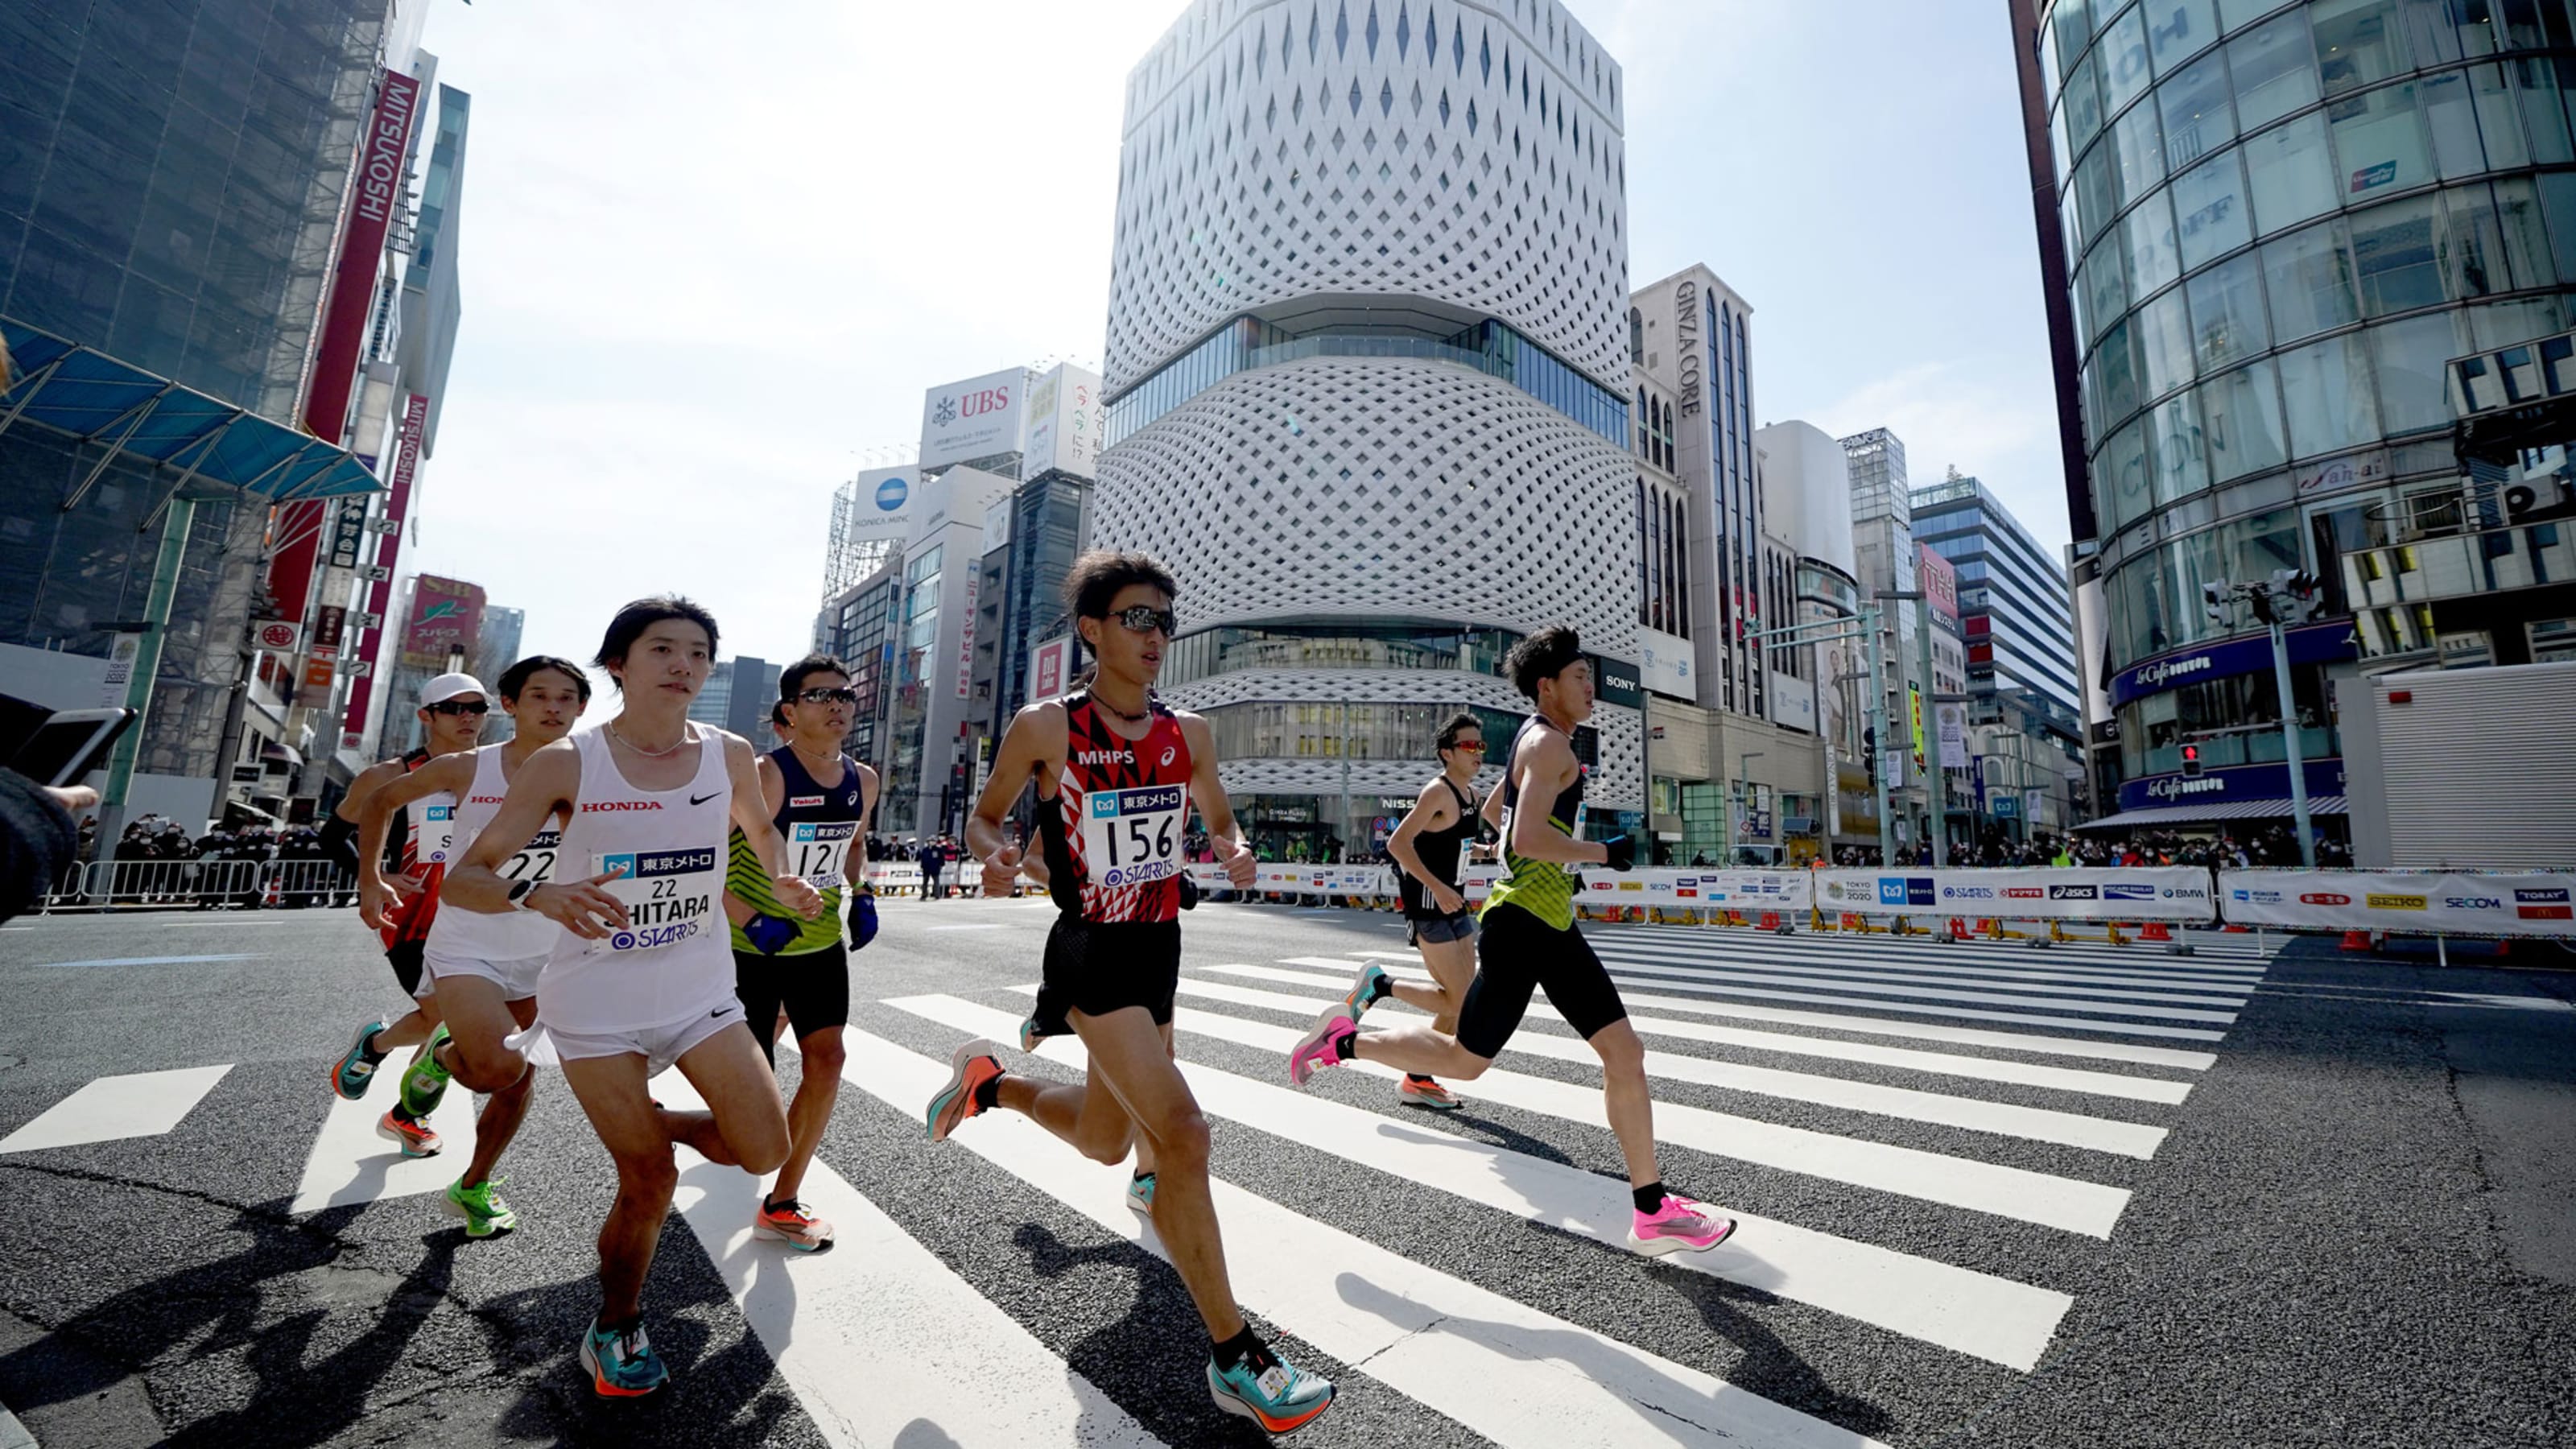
[1067, 424]
[1914, 711]
[1954, 735]
[1050, 669]
[1615, 682]
[966, 641]
[980, 417]
[1938, 580]
[2179, 893]
[1664, 663]
[446, 615]
[348, 532]
[2412, 902]
[353, 725]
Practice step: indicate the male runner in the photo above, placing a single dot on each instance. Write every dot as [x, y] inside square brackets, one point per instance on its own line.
[483, 969]
[1528, 940]
[452, 707]
[819, 798]
[640, 978]
[1426, 846]
[1116, 773]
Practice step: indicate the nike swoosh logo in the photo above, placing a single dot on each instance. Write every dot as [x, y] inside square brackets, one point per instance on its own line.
[719, 1011]
[702, 799]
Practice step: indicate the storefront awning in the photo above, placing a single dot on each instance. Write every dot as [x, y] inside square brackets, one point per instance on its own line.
[91, 396]
[2213, 812]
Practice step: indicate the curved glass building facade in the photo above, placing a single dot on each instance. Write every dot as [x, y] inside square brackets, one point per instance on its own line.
[2272, 223]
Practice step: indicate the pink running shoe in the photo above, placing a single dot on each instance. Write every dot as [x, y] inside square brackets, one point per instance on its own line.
[1315, 1048]
[1679, 1226]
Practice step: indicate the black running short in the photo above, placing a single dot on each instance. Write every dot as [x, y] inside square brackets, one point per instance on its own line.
[1439, 929]
[404, 957]
[814, 987]
[1517, 952]
[1097, 967]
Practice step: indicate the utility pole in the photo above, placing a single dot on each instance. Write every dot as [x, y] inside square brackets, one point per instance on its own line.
[2278, 603]
[1936, 803]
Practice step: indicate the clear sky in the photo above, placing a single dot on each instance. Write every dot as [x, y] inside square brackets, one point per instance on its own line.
[712, 254]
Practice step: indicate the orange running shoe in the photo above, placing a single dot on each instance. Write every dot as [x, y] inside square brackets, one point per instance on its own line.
[790, 1223]
[971, 1066]
[416, 1138]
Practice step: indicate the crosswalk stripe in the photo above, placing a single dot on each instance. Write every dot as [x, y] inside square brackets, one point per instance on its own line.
[1825, 977]
[1949, 1064]
[1975, 1313]
[350, 1163]
[2107, 1051]
[1962, 961]
[2086, 1005]
[879, 1297]
[1500, 1368]
[2040, 1124]
[2145, 958]
[1705, 987]
[110, 1109]
[2075, 1206]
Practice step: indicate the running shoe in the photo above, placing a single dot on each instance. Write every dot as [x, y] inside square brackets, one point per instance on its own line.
[622, 1363]
[1679, 1226]
[789, 1223]
[1368, 988]
[416, 1138]
[481, 1207]
[1424, 1092]
[1031, 1033]
[425, 1085]
[1140, 1194]
[1277, 1395]
[356, 1070]
[970, 1067]
[1315, 1048]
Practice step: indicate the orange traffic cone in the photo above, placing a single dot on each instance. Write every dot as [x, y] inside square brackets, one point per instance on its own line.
[2155, 931]
[272, 897]
[1771, 920]
[1958, 929]
[2356, 940]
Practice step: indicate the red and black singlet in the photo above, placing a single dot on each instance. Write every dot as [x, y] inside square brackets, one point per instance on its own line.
[1112, 831]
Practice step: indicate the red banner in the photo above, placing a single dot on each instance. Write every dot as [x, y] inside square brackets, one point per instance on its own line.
[344, 324]
[380, 592]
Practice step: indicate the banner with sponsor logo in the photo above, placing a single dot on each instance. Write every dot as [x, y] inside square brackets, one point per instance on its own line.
[2448, 903]
[2178, 893]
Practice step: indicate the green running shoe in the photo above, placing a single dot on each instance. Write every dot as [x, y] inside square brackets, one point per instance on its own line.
[481, 1207]
[426, 1083]
[356, 1068]
[1270, 1391]
[1140, 1194]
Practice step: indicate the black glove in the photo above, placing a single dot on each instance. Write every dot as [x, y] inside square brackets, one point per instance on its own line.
[1623, 852]
[1189, 892]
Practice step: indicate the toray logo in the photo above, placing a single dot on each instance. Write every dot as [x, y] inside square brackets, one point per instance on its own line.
[891, 493]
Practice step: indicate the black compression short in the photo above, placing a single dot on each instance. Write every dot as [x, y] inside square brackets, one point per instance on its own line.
[404, 957]
[814, 987]
[1097, 967]
[1516, 953]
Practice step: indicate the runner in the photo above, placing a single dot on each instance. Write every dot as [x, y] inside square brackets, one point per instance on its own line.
[1116, 773]
[639, 978]
[820, 799]
[1426, 846]
[1528, 941]
[452, 707]
[482, 969]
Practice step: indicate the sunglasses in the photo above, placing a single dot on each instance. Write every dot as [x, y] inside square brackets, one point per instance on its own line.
[1145, 619]
[1473, 746]
[839, 694]
[460, 706]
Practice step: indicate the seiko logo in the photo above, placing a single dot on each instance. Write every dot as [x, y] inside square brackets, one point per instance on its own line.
[592, 806]
[1105, 757]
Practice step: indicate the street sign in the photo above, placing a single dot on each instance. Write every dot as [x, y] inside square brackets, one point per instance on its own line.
[375, 573]
[360, 668]
[278, 636]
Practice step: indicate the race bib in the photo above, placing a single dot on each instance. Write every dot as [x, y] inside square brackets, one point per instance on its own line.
[1130, 837]
[820, 851]
[437, 832]
[669, 895]
[535, 862]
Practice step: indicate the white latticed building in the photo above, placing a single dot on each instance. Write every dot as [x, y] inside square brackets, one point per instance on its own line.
[1368, 373]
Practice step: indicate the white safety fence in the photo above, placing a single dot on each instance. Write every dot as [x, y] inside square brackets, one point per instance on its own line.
[2411, 903]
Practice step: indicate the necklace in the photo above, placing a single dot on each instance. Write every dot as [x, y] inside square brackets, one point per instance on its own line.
[650, 754]
[808, 761]
[1137, 718]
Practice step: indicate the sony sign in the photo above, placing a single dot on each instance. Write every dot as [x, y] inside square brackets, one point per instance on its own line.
[980, 417]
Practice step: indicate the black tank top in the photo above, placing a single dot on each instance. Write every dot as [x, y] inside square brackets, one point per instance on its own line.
[1439, 850]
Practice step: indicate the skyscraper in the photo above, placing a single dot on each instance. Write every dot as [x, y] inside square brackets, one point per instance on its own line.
[1368, 385]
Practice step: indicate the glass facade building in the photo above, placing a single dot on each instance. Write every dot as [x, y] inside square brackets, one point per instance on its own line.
[2270, 224]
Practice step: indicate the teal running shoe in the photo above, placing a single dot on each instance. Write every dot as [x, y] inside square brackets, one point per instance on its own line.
[356, 1069]
[425, 1085]
[481, 1207]
[1140, 1194]
[622, 1363]
[1270, 1392]
[1368, 988]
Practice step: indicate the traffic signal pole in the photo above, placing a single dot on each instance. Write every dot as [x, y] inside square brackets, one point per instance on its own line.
[2290, 740]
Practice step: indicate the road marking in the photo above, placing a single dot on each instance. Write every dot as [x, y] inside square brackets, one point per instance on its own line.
[2084, 1005]
[1961, 963]
[977, 926]
[878, 1297]
[1863, 980]
[1950, 1064]
[111, 1109]
[1700, 986]
[1974, 1313]
[152, 960]
[2067, 1203]
[1928, 951]
[1500, 1368]
[350, 1163]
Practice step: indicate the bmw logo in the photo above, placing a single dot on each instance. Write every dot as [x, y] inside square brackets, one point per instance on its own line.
[891, 493]
[622, 941]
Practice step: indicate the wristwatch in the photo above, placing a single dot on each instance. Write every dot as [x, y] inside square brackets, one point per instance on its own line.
[519, 892]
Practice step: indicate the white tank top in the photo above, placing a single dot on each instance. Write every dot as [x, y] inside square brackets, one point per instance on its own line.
[673, 959]
[515, 935]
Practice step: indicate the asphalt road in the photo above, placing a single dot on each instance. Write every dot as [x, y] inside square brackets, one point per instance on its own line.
[1994, 1196]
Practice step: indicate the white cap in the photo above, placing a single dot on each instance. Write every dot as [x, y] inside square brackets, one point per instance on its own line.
[449, 686]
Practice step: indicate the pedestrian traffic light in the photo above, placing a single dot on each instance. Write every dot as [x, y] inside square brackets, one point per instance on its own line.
[2191, 762]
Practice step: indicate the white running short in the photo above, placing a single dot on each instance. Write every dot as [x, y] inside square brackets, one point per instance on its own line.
[660, 1046]
[517, 979]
